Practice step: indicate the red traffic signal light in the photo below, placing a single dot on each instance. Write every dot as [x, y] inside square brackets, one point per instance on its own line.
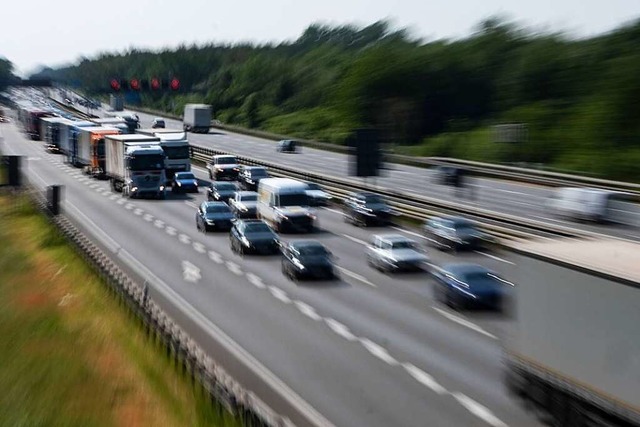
[155, 83]
[134, 84]
[115, 84]
[174, 84]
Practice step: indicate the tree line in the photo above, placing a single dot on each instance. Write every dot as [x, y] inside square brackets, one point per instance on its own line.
[579, 98]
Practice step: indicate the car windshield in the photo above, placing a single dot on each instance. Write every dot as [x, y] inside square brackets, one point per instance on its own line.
[256, 228]
[226, 161]
[373, 199]
[258, 173]
[294, 199]
[225, 186]
[403, 244]
[217, 209]
[248, 197]
[479, 279]
[463, 226]
[185, 176]
[313, 186]
[312, 250]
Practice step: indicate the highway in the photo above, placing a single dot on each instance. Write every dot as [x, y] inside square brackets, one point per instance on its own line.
[368, 350]
[519, 199]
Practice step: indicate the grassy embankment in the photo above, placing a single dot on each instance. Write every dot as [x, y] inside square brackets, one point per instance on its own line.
[71, 355]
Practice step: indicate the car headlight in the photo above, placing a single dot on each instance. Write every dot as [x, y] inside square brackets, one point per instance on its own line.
[281, 215]
[245, 241]
[195, 183]
[236, 169]
[243, 208]
[162, 188]
[298, 264]
[134, 189]
[179, 184]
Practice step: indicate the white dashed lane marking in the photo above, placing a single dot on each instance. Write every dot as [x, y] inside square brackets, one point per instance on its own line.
[357, 277]
[199, 247]
[171, 231]
[183, 238]
[424, 378]
[478, 410]
[378, 351]
[340, 329]
[279, 294]
[307, 310]
[234, 268]
[255, 281]
[464, 322]
[215, 257]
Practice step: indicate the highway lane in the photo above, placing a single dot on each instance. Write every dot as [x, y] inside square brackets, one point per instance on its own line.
[501, 196]
[281, 335]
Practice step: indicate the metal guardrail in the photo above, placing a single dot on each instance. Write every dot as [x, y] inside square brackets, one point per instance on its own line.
[411, 205]
[532, 176]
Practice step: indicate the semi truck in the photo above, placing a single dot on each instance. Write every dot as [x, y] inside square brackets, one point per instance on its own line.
[574, 350]
[91, 151]
[73, 146]
[130, 118]
[135, 165]
[175, 144]
[196, 118]
[50, 128]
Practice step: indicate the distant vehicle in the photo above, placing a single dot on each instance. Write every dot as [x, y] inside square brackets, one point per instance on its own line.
[445, 175]
[221, 191]
[253, 236]
[250, 176]
[196, 118]
[287, 146]
[367, 209]
[213, 216]
[223, 166]
[465, 286]
[586, 204]
[307, 259]
[184, 182]
[317, 196]
[453, 233]
[283, 203]
[244, 204]
[158, 122]
[135, 165]
[394, 253]
[175, 144]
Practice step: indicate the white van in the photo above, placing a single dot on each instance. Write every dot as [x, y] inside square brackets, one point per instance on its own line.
[284, 204]
[588, 204]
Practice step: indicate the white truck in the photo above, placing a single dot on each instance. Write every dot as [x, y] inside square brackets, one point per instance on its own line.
[135, 165]
[574, 350]
[196, 118]
[175, 144]
[284, 203]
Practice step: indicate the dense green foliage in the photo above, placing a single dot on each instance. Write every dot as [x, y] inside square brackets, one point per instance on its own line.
[579, 98]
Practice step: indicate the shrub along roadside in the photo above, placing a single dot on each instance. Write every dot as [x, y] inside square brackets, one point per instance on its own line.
[73, 355]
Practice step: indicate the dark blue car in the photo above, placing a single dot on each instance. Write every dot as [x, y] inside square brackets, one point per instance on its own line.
[467, 286]
[184, 182]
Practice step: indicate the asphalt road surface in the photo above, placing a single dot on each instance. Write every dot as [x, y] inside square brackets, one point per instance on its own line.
[368, 350]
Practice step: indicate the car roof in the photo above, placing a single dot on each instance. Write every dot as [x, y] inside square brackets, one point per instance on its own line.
[297, 244]
[214, 203]
[249, 168]
[394, 238]
[465, 268]
[221, 156]
[247, 193]
[223, 184]
[184, 173]
[251, 221]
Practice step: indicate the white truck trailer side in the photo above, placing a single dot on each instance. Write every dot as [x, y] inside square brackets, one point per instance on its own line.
[575, 347]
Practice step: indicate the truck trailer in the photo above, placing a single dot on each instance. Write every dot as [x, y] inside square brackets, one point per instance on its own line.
[92, 151]
[135, 165]
[196, 118]
[50, 128]
[574, 351]
[73, 147]
[175, 144]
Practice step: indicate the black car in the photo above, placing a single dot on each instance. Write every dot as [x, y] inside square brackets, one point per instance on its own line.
[244, 204]
[184, 182]
[307, 259]
[367, 209]
[214, 216]
[223, 167]
[453, 233]
[221, 191]
[250, 176]
[463, 286]
[253, 236]
[317, 196]
[287, 146]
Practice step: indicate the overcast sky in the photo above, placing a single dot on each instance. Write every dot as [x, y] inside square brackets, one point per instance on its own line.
[45, 32]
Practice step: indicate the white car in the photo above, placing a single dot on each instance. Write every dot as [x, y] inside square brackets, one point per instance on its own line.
[395, 252]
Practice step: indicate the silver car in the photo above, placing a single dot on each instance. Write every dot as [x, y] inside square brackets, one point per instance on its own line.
[395, 252]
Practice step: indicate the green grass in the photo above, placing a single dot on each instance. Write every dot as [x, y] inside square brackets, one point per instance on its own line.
[71, 355]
